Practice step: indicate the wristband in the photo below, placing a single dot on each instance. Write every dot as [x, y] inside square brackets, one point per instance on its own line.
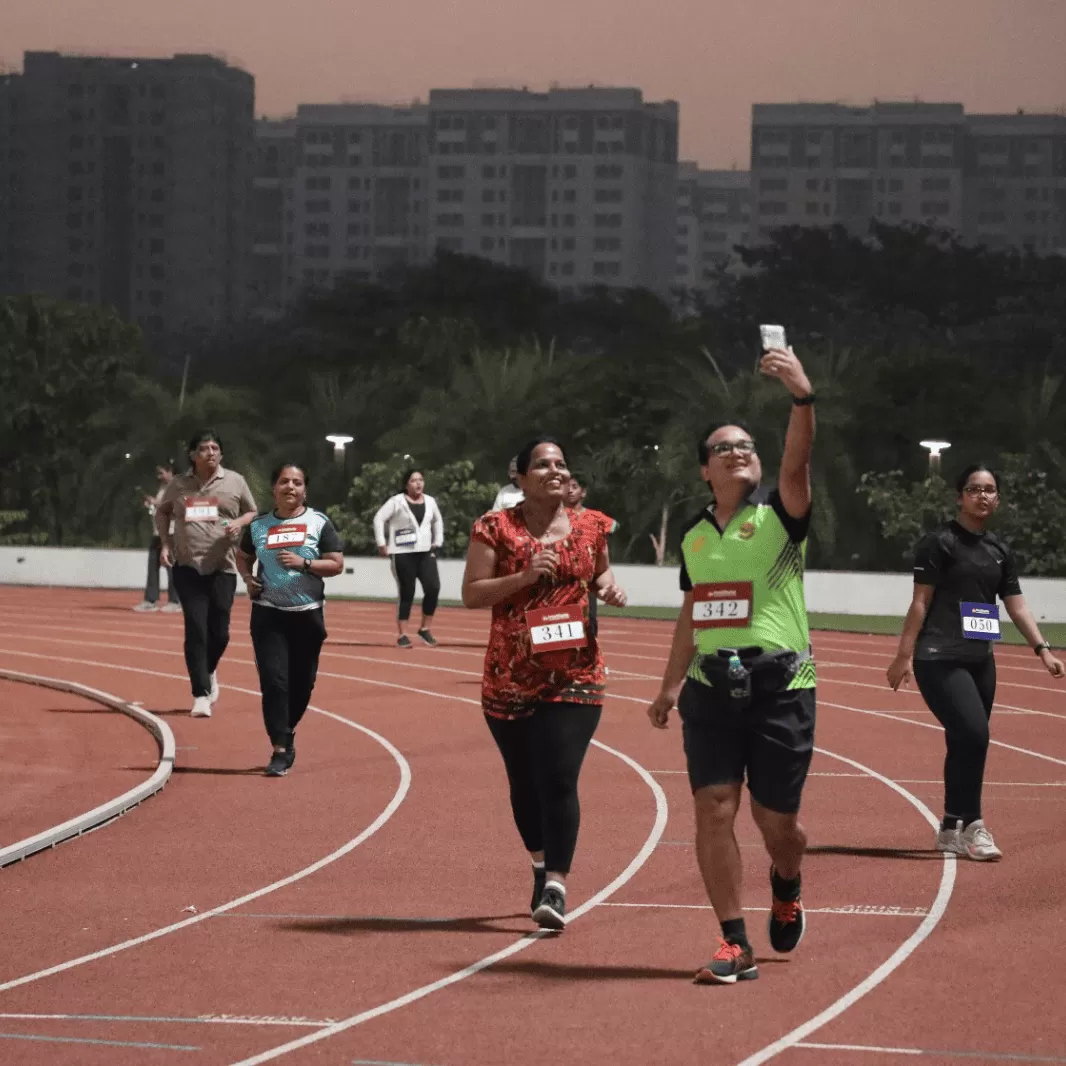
[1042, 646]
[803, 401]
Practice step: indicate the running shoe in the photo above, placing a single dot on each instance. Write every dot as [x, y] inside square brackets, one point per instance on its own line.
[427, 637]
[201, 707]
[404, 642]
[213, 697]
[551, 910]
[948, 840]
[145, 606]
[171, 608]
[279, 764]
[538, 889]
[787, 922]
[730, 963]
[975, 842]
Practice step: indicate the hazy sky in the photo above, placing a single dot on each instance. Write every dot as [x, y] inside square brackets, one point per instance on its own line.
[716, 57]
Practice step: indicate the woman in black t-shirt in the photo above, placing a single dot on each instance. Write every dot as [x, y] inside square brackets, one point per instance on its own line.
[959, 570]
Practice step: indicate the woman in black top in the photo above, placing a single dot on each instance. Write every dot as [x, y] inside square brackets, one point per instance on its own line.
[959, 570]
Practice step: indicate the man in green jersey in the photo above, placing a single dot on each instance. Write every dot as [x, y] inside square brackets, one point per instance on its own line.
[740, 670]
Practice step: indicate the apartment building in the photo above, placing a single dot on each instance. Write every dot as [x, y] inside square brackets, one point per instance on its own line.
[713, 218]
[133, 182]
[10, 85]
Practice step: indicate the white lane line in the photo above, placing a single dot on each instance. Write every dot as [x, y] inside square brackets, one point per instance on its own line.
[903, 780]
[866, 910]
[41, 1039]
[203, 1019]
[985, 1056]
[398, 797]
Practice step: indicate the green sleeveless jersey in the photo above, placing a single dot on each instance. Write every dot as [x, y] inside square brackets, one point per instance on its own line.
[747, 582]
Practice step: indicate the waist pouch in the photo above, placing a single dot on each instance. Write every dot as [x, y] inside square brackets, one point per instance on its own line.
[762, 674]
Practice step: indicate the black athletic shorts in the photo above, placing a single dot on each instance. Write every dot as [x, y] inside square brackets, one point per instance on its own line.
[770, 742]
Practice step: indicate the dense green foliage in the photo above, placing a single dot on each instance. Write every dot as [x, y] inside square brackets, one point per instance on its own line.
[905, 334]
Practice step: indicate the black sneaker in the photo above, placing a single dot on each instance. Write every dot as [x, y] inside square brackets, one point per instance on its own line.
[551, 910]
[290, 753]
[539, 876]
[404, 642]
[279, 764]
[427, 637]
[730, 963]
[787, 923]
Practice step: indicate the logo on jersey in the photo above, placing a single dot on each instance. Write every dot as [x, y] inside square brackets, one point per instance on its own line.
[698, 543]
[746, 531]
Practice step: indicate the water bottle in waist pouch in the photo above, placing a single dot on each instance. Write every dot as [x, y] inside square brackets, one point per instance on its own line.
[742, 674]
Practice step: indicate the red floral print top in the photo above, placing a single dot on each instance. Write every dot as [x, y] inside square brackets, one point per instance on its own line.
[515, 679]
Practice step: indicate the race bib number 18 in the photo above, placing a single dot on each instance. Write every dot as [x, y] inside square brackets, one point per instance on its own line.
[980, 621]
[286, 536]
[556, 628]
[721, 604]
[201, 509]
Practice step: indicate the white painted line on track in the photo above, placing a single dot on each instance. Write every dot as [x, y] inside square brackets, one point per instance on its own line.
[865, 910]
[203, 1019]
[398, 797]
[984, 1056]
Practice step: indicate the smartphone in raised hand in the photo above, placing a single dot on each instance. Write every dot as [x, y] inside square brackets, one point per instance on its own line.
[771, 337]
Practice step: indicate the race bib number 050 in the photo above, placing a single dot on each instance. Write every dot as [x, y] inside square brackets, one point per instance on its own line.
[286, 536]
[201, 509]
[405, 537]
[980, 621]
[721, 604]
[556, 628]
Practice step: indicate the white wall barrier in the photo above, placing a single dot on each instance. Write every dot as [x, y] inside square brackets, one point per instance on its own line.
[831, 592]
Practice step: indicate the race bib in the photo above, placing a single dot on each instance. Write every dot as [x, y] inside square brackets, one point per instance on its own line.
[721, 604]
[286, 536]
[201, 509]
[405, 537]
[980, 621]
[556, 628]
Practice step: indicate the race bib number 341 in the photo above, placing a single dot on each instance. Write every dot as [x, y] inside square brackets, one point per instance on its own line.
[980, 621]
[721, 604]
[201, 509]
[556, 628]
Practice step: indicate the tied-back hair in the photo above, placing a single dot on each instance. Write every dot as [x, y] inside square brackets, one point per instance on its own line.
[525, 456]
[275, 474]
[975, 468]
[407, 475]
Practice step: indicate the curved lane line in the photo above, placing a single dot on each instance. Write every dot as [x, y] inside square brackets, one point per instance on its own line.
[398, 797]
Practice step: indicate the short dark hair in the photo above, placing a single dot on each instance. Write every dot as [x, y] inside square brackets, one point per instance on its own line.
[703, 451]
[525, 456]
[276, 473]
[975, 468]
[407, 475]
[205, 435]
[166, 464]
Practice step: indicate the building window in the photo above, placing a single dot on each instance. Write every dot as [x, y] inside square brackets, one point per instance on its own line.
[451, 173]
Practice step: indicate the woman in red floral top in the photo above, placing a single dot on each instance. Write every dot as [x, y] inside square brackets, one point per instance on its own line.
[543, 686]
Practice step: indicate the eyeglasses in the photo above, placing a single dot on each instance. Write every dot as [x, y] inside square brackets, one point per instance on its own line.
[724, 447]
[980, 490]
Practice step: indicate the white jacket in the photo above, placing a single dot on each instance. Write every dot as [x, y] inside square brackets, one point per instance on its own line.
[509, 496]
[395, 526]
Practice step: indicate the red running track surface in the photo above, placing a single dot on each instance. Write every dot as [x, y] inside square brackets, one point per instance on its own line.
[386, 865]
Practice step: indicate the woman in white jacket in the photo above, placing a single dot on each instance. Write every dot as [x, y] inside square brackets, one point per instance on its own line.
[409, 529]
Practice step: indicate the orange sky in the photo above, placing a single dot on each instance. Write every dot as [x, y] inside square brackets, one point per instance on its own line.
[716, 57]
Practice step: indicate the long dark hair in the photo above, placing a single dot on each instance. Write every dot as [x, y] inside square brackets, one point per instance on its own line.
[525, 456]
[407, 475]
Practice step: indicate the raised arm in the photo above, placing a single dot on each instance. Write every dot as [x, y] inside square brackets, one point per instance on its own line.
[794, 483]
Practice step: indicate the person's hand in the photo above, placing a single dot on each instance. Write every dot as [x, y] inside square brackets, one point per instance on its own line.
[782, 364]
[254, 586]
[612, 595]
[1054, 666]
[233, 532]
[659, 711]
[899, 672]
[166, 556]
[543, 565]
[383, 551]
[290, 560]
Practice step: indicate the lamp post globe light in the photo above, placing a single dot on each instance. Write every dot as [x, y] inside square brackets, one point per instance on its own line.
[935, 448]
[339, 441]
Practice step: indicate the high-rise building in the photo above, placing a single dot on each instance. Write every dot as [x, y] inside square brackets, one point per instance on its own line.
[134, 180]
[713, 218]
[271, 215]
[10, 85]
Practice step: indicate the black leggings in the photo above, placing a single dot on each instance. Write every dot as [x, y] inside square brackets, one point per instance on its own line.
[543, 754]
[420, 566]
[206, 601]
[287, 645]
[960, 695]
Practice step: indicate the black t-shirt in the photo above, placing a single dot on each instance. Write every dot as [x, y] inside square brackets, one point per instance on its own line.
[962, 567]
[418, 510]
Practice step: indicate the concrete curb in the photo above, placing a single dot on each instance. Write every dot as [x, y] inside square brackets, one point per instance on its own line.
[112, 808]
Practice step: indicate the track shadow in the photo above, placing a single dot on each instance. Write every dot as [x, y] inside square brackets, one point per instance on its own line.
[359, 644]
[873, 853]
[561, 971]
[80, 710]
[371, 924]
[210, 771]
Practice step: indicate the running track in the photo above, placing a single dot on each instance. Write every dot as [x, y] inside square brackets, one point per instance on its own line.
[370, 908]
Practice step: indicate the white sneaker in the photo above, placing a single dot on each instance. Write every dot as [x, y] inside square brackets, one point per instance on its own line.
[171, 608]
[145, 606]
[948, 840]
[201, 707]
[214, 687]
[976, 843]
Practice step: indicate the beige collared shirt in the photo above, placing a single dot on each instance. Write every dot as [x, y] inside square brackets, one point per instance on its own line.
[202, 513]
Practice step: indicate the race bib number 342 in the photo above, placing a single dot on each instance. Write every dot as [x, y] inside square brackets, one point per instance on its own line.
[721, 604]
[556, 628]
[980, 621]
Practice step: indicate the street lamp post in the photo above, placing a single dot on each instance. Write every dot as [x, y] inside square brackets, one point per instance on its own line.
[935, 447]
[339, 441]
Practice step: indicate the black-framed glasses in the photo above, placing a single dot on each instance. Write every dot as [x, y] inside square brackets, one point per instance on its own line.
[981, 490]
[724, 447]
